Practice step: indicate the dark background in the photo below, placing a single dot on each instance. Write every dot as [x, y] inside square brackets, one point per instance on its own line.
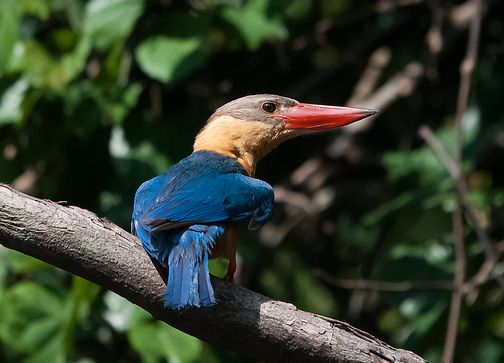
[98, 96]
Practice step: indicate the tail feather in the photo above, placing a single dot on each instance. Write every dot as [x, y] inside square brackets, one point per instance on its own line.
[205, 291]
[188, 274]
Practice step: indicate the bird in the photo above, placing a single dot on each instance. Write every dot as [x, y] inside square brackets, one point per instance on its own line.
[191, 213]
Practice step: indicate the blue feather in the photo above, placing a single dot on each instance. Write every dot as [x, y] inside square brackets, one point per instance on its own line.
[188, 275]
[209, 199]
[180, 215]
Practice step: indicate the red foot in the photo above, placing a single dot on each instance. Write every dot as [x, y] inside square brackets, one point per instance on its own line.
[229, 277]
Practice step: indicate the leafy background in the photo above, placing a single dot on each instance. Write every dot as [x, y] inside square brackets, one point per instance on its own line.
[97, 96]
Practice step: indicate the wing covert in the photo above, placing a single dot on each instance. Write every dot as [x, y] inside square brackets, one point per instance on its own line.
[214, 198]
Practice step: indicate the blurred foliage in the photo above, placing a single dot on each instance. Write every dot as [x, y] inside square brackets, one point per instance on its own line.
[97, 96]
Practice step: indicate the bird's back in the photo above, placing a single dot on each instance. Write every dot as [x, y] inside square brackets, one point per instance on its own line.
[182, 214]
[185, 175]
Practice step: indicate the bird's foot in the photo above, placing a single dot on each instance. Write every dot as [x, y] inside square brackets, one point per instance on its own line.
[229, 277]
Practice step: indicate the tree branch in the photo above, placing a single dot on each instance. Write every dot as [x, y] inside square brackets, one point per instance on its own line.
[77, 241]
[466, 69]
[387, 286]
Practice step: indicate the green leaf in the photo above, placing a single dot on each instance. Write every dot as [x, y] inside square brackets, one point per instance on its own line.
[163, 57]
[424, 312]
[107, 21]
[156, 341]
[218, 267]
[3, 273]
[290, 280]
[298, 9]
[496, 324]
[422, 162]
[42, 70]
[391, 321]
[21, 263]
[53, 350]
[27, 299]
[25, 305]
[38, 8]
[353, 238]
[9, 31]
[38, 333]
[37, 321]
[113, 101]
[127, 99]
[121, 314]
[254, 22]
[11, 101]
[178, 346]
[82, 295]
[144, 340]
[415, 262]
[313, 295]
[145, 152]
[74, 11]
[491, 351]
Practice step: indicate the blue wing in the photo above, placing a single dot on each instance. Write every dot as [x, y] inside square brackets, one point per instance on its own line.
[211, 199]
[200, 193]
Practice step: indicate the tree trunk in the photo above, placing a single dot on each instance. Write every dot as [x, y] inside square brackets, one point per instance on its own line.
[77, 241]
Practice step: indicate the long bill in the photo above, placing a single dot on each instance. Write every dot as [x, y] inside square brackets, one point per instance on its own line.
[320, 117]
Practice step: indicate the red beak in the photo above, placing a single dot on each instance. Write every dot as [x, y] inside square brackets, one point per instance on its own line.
[320, 117]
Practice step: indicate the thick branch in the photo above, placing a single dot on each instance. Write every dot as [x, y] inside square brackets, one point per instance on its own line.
[78, 241]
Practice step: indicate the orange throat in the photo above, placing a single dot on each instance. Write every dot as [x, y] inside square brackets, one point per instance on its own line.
[246, 141]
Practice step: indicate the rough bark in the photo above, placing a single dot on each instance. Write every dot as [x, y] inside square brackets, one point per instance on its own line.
[78, 241]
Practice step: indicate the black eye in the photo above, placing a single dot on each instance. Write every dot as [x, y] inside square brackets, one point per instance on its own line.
[269, 107]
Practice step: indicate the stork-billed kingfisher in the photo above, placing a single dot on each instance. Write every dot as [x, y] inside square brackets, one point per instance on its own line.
[190, 213]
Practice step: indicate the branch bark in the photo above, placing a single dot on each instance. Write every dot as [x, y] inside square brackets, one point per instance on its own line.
[78, 241]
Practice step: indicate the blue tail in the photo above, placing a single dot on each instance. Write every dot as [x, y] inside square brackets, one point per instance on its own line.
[188, 275]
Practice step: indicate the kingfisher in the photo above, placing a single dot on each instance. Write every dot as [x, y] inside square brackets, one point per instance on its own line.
[191, 213]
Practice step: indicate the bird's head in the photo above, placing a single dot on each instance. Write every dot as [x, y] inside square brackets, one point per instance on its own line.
[250, 127]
